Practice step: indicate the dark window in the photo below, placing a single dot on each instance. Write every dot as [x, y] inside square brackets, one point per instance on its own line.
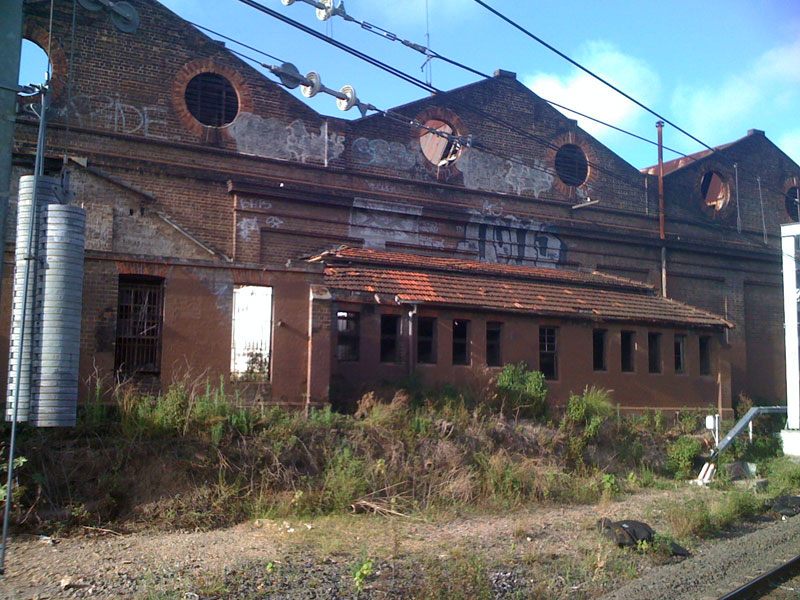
[599, 349]
[140, 316]
[705, 355]
[571, 165]
[792, 203]
[460, 342]
[426, 340]
[627, 351]
[211, 99]
[348, 338]
[680, 353]
[390, 335]
[715, 192]
[494, 357]
[654, 352]
[548, 352]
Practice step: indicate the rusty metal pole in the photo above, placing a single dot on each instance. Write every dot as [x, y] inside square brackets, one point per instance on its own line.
[661, 232]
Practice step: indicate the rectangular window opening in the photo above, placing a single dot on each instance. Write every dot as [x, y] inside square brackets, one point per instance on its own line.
[680, 353]
[460, 342]
[426, 340]
[494, 357]
[252, 332]
[599, 349]
[654, 352]
[390, 336]
[548, 352]
[348, 339]
[705, 355]
[627, 351]
[140, 320]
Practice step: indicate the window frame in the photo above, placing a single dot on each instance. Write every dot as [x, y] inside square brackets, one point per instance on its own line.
[494, 347]
[548, 348]
[704, 356]
[149, 342]
[602, 334]
[679, 345]
[348, 337]
[392, 338]
[655, 362]
[627, 353]
[426, 339]
[458, 342]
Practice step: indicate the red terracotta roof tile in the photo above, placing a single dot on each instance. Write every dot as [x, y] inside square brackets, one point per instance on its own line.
[435, 263]
[543, 293]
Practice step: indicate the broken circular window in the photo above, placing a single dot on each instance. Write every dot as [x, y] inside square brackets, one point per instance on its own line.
[572, 167]
[793, 203]
[716, 194]
[438, 143]
[212, 99]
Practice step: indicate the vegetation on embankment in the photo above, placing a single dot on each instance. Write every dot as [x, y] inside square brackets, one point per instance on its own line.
[195, 457]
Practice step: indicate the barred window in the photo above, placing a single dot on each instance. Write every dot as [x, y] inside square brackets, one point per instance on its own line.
[390, 334]
[426, 340]
[494, 355]
[140, 318]
[461, 342]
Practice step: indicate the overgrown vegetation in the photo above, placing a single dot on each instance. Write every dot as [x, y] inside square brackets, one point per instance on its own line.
[197, 457]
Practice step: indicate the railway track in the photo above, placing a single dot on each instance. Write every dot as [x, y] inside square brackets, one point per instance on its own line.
[764, 584]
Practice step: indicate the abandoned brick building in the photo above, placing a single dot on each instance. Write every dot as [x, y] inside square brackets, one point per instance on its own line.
[231, 228]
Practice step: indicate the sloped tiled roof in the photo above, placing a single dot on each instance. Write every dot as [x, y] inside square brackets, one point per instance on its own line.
[547, 292]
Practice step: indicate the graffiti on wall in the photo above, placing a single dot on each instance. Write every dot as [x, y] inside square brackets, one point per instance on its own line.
[111, 113]
[496, 236]
[380, 153]
[496, 174]
[272, 138]
[379, 222]
[250, 225]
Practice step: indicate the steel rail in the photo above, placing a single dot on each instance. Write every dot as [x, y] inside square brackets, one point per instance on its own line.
[782, 572]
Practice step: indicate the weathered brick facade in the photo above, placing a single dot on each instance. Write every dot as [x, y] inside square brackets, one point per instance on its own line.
[205, 208]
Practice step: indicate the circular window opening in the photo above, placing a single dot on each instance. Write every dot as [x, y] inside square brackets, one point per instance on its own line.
[793, 203]
[571, 165]
[33, 64]
[438, 145]
[212, 100]
[715, 191]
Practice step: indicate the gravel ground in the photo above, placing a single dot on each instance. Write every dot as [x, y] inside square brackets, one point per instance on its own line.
[298, 561]
[719, 568]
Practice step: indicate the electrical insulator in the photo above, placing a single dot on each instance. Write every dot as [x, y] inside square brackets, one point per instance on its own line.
[287, 2]
[309, 91]
[350, 101]
[323, 14]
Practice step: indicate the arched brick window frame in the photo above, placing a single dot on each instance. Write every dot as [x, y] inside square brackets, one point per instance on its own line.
[459, 128]
[188, 72]
[725, 173]
[575, 138]
[789, 184]
[58, 60]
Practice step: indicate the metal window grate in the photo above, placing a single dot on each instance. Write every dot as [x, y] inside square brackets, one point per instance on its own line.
[212, 100]
[140, 317]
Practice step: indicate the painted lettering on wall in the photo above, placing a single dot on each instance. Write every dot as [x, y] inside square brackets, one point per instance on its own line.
[505, 238]
[378, 222]
[110, 112]
[380, 153]
[254, 204]
[495, 174]
[272, 138]
[250, 225]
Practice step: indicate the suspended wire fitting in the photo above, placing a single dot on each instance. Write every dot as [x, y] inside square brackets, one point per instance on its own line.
[738, 212]
[346, 98]
[761, 198]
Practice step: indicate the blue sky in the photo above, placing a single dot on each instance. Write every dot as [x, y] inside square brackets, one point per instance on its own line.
[716, 68]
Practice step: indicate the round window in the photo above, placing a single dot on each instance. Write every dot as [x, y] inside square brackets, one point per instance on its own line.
[211, 99]
[715, 192]
[438, 148]
[572, 167]
[792, 203]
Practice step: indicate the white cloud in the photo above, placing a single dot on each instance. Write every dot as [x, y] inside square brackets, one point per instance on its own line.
[789, 142]
[726, 106]
[584, 93]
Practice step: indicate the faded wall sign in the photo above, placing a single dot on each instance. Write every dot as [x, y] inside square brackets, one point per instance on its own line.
[272, 138]
[378, 222]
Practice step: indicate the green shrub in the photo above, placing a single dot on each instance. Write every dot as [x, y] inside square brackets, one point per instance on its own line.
[592, 406]
[680, 456]
[521, 391]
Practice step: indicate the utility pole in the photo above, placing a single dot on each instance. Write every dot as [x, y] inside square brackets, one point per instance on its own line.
[11, 43]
